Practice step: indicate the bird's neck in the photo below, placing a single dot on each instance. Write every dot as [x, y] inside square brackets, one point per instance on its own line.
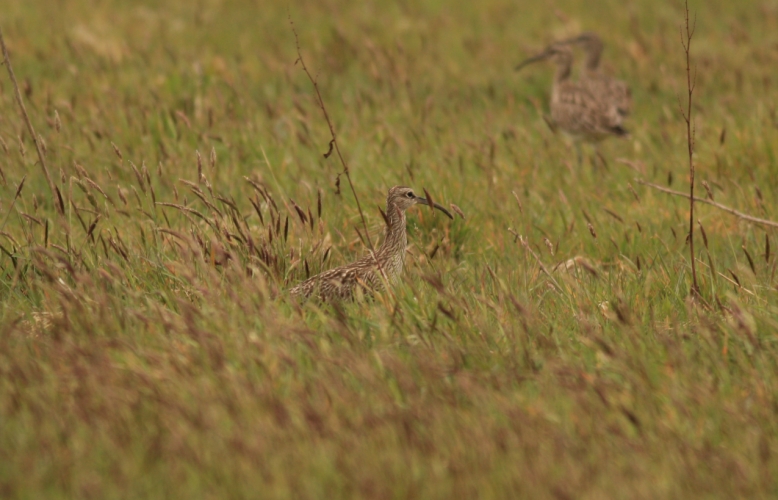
[593, 57]
[562, 71]
[396, 239]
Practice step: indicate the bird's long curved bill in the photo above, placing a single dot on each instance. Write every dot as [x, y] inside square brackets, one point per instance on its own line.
[570, 41]
[540, 57]
[583, 37]
[424, 201]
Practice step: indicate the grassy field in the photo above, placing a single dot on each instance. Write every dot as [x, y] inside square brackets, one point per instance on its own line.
[148, 348]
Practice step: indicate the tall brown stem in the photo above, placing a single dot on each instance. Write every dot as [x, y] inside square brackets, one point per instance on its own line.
[334, 143]
[20, 102]
[686, 41]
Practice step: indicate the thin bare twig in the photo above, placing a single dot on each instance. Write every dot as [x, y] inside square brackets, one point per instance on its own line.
[686, 42]
[7, 62]
[736, 213]
[334, 143]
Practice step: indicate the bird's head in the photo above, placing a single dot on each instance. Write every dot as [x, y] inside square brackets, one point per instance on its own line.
[557, 53]
[587, 39]
[591, 43]
[402, 198]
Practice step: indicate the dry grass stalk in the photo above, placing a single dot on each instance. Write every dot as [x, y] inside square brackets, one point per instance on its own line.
[686, 41]
[334, 140]
[736, 213]
[33, 135]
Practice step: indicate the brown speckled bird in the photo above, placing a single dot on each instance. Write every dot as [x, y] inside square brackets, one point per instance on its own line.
[373, 271]
[574, 108]
[602, 86]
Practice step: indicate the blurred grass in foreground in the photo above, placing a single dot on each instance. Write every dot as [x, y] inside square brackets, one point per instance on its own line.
[147, 348]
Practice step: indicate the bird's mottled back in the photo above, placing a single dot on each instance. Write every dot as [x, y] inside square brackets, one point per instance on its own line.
[604, 87]
[575, 108]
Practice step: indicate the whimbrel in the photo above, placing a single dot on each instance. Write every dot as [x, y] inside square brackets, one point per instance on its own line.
[373, 271]
[602, 86]
[574, 108]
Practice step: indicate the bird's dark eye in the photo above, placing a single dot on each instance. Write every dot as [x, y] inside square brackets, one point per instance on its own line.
[409, 194]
